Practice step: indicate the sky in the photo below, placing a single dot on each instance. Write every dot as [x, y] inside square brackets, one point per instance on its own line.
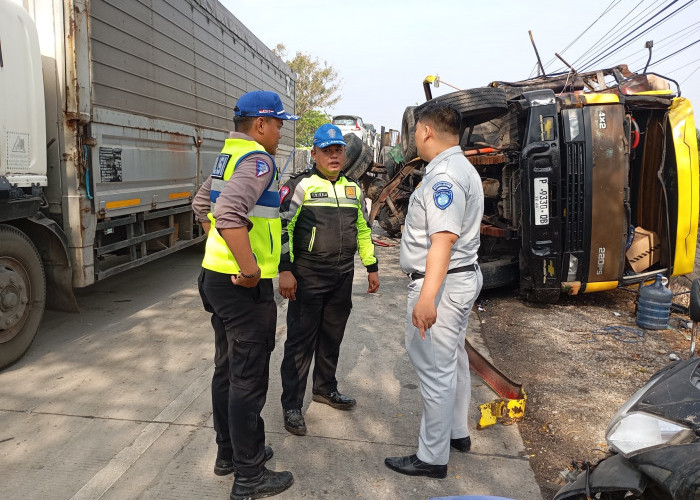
[383, 49]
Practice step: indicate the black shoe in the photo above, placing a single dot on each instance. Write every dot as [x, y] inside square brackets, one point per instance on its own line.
[412, 466]
[461, 444]
[265, 484]
[336, 400]
[294, 422]
[223, 467]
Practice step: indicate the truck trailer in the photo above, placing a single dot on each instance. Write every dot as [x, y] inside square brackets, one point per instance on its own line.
[112, 113]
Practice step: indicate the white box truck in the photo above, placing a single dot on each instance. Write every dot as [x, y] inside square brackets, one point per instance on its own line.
[111, 115]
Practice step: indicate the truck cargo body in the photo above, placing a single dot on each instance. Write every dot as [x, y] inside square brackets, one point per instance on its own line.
[138, 99]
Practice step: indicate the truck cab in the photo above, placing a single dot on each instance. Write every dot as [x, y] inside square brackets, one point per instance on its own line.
[590, 180]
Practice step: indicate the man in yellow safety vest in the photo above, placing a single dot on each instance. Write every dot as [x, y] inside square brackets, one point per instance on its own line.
[238, 206]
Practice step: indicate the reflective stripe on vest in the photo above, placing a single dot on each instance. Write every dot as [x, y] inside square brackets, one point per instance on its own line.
[266, 234]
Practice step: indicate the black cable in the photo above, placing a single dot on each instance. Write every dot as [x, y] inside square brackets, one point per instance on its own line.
[674, 53]
[625, 334]
[612, 4]
[664, 45]
[616, 28]
[622, 44]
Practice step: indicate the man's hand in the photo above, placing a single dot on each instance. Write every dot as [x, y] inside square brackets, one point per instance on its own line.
[206, 226]
[288, 285]
[424, 316]
[239, 280]
[373, 279]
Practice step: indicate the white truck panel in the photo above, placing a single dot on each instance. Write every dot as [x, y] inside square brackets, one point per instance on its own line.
[22, 135]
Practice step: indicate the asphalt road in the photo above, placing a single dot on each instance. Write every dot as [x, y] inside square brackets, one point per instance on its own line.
[114, 403]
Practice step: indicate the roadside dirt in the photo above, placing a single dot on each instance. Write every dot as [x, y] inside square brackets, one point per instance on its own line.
[575, 371]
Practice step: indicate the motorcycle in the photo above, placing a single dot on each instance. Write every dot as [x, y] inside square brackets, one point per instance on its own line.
[654, 438]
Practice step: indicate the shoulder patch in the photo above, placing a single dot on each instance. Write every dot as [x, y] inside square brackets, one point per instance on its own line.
[283, 193]
[443, 194]
[220, 166]
[442, 185]
[261, 168]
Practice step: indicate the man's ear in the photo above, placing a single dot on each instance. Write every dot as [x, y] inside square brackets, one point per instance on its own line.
[259, 124]
[429, 132]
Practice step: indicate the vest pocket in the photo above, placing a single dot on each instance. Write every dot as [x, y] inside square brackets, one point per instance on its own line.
[313, 237]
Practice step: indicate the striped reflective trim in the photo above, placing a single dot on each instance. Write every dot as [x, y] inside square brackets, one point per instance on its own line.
[180, 195]
[347, 201]
[122, 203]
[217, 185]
[264, 212]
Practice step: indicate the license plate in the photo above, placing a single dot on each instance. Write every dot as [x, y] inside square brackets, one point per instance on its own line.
[541, 195]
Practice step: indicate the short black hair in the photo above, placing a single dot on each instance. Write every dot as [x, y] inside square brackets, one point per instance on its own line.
[442, 117]
[243, 123]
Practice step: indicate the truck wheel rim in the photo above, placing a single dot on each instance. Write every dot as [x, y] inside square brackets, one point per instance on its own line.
[14, 298]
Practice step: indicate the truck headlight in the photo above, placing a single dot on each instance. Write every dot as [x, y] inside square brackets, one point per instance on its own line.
[573, 267]
[637, 431]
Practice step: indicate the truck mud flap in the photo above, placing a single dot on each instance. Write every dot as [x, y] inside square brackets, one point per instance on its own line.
[52, 244]
[510, 406]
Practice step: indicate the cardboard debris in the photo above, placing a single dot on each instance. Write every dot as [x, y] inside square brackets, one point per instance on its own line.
[644, 251]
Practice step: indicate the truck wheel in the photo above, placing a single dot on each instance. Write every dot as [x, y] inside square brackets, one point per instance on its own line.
[375, 188]
[476, 105]
[353, 148]
[359, 166]
[22, 293]
[408, 138]
[390, 166]
[391, 223]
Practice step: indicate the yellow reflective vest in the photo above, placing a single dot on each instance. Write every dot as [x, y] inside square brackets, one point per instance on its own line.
[266, 234]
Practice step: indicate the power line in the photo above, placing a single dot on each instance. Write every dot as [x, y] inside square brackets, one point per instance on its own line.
[612, 4]
[623, 43]
[616, 28]
[674, 53]
[691, 74]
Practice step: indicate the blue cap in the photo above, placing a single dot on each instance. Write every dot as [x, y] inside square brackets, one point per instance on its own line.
[327, 135]
[262, 103]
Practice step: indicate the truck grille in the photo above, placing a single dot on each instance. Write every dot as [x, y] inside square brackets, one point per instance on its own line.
[575, 186]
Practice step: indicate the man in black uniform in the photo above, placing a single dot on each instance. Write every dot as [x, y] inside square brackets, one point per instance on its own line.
[324, 222]
[238, 206]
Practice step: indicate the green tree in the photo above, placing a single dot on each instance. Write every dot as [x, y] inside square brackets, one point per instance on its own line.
[307, 125]
[317, 88]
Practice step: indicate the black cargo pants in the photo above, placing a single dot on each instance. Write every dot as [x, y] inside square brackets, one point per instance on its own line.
[244, 321]
[315, 326]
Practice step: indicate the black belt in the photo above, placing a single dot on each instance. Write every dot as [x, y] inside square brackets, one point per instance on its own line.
[462, 269]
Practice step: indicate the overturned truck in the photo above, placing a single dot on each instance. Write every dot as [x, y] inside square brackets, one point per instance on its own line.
[590, 180]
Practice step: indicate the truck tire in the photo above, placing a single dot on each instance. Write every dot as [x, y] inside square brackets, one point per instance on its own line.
[390, 166]
[391, 223]
[475, 105]
[359, 166]
[353, 148]
[408, 138]
[22, 293]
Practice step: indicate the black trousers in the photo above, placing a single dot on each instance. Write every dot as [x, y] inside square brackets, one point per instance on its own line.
[315, 326]
[244, 321]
